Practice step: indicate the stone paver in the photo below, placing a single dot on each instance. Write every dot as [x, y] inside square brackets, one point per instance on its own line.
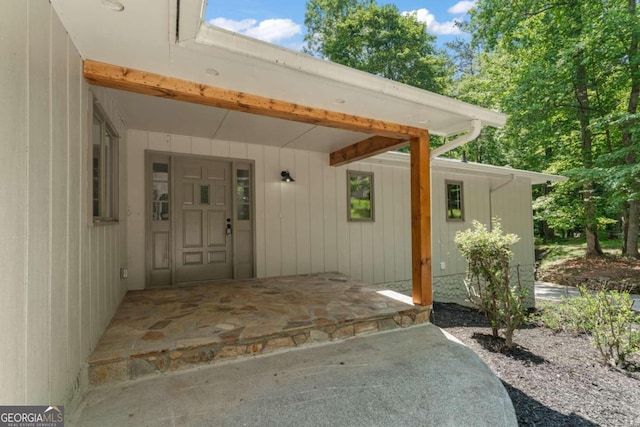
[171, 329]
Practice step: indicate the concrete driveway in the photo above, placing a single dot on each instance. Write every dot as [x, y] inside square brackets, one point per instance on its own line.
[552, 292]
[418, 376]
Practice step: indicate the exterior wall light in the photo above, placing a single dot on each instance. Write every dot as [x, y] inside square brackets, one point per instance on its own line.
[286, 176]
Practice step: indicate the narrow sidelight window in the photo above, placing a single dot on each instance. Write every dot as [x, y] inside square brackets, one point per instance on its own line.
[243, 194]
[160, 193]
[455, 201]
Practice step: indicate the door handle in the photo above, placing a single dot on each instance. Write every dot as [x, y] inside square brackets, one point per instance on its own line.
[228, 230]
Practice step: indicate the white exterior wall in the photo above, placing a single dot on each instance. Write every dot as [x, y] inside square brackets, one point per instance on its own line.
[301, 227]
[511, 203]
[60, 275]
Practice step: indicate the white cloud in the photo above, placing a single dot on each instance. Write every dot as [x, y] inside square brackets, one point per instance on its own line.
[461, 7]
[433, 26]
[269, 30]
[231, 25]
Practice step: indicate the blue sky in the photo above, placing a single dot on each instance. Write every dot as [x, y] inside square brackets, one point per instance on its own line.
[282, 21]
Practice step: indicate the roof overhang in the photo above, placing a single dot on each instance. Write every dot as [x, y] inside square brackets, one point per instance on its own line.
[146, 36]
[439, 114]
[468, 168]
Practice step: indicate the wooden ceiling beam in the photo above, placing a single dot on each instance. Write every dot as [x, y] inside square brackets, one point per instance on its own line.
[147, 83]
[366, 148]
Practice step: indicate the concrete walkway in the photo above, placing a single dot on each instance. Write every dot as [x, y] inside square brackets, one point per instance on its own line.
[551, 292]
[417, 376]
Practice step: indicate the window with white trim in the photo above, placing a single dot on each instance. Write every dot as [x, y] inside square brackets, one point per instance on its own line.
[104, 168]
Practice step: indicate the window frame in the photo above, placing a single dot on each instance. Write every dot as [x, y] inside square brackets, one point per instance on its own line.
[108, 196]
[350, 174]
[447, 183]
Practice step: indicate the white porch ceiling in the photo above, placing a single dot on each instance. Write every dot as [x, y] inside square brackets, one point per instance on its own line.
[183, 118]
[143, 37]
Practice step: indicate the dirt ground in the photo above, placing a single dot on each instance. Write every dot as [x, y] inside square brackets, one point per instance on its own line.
[554, 379]
[610, 272]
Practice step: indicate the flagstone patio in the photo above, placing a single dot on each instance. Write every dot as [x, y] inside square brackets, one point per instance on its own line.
[155, 331]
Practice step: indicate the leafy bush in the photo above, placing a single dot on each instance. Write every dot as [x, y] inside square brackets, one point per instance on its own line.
[606, 316]
[567, 316]
[488, 284]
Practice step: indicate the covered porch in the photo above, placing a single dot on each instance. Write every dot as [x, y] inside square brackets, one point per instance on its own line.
[165, 330]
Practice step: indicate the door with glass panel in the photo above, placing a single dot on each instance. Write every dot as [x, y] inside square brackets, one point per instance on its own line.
[203, 243]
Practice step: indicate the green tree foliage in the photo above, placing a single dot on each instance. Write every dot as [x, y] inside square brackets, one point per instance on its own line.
[377, 39]
[569, 81]
[478, 80]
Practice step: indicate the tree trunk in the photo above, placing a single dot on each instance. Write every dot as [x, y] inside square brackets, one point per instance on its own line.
[633, 222]
[624, 219]
[582, 98]
[547, 232]
[633, 230]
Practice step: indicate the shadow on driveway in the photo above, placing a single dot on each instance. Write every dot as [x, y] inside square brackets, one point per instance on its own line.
[531, 412]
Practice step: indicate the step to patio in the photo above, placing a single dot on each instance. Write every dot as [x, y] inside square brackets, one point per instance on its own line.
[162, 331]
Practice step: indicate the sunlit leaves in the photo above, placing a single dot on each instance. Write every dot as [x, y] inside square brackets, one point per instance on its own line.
[377, 39]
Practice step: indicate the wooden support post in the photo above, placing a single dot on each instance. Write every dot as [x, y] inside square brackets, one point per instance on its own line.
[421, 221]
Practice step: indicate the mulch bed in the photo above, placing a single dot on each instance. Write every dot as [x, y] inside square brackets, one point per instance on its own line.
[554, 379]
[608, 272]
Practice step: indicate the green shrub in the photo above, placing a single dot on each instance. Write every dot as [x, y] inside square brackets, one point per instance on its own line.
[606, 316]
[567, 316]
[488, 254]
[614, 333]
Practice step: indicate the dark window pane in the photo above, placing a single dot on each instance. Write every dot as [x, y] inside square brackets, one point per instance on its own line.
[160, 211]
[454, 201]
[160, 172]
[244, 213]
[96, 190]
[160, 191]
[204, 194]
[243, 195]
[360, 196]
[104, 163]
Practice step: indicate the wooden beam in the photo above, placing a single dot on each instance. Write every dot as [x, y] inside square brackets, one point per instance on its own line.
[366, 148]
[146, 83]
[421, 221]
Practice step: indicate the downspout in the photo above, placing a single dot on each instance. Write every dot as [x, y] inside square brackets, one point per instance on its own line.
[474, 132]
[493, 190]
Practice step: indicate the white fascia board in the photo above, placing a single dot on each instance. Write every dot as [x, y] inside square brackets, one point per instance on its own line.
[483, 169]
[303, 63]
[191, 13]
[394, 158]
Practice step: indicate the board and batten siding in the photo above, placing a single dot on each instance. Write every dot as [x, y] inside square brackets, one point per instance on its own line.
[510, 203]
[508, 199]
[301, 227]
[60, 275]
